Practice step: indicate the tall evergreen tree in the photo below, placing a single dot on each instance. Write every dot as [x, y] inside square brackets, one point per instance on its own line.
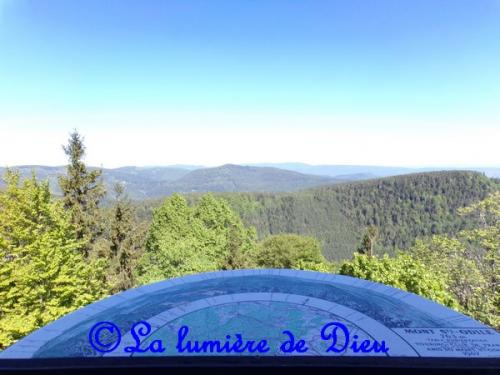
[126, 239]
[368, 242]
[122, 223]
[82, 191]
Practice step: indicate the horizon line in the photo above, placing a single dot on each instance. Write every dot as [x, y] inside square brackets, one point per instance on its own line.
[260, 164]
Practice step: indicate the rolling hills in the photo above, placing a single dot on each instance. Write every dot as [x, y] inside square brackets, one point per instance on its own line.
[139, 181]
[154, 182]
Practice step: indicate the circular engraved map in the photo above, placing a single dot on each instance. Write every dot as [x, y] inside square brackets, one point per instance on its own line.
[263, 304]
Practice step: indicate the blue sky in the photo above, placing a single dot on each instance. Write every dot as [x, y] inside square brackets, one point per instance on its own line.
[340, 82]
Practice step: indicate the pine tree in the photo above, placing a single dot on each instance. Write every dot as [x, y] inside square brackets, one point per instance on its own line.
[82, 192]
[122, 223]
[368, 242]
[126, 239]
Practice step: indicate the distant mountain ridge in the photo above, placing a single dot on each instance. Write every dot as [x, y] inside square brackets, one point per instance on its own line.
[375, 171]
[155, 182]
[138, 181]
[236, 178]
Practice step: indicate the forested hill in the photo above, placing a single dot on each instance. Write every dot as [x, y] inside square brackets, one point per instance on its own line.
[403, 208]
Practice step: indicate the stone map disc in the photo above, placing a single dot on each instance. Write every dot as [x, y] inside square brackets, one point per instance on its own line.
[261, 304]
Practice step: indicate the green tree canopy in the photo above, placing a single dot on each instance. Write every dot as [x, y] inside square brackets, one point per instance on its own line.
[290, 251]
[403, 272]
[185, 239]
[43, 275]
[469, 261]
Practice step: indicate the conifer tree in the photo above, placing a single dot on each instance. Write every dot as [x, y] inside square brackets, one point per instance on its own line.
[368, 242]
[122, 223]
[82, 192]
[126, 238]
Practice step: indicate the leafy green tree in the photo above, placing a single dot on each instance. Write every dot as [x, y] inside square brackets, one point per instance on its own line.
[290, 251]
[326, 267]
[82, 191]
[469, 261]
[403, 272]
[185, 239]
[43, 275]
[446, 257]
[484, 241]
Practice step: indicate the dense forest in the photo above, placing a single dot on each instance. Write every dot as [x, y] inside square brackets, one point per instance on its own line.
[404, 208]
[435, 234]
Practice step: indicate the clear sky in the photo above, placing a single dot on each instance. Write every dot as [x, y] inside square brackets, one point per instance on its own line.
[148, 82]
